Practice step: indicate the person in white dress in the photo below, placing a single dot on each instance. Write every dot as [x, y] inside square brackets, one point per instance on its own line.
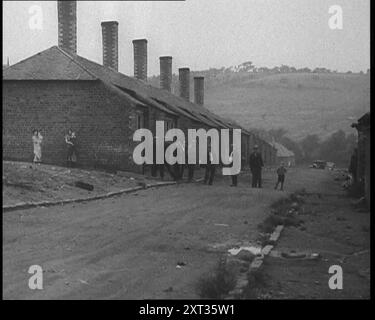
[37, 142]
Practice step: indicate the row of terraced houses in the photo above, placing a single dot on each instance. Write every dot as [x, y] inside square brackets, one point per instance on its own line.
[56, 90]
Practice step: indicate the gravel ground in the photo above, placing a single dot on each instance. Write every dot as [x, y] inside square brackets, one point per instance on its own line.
[128, 247]
[23, 182]
[339, 233]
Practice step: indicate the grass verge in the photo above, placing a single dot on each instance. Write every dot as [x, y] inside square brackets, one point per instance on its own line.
[217, 283]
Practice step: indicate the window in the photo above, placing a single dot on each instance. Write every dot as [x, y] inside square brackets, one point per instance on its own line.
[140, 120]
[169, 124]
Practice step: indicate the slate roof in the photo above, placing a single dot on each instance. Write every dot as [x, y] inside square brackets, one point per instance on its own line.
[281, 150]
[50, 64]
[56, 64]
[365, 120]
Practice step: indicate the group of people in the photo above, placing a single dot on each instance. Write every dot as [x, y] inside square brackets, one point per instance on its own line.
[70, 141]
[255, 162]
[176, 170]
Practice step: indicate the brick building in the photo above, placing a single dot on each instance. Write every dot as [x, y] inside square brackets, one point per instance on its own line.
[284, 155]
[363, 127]
[57, 90]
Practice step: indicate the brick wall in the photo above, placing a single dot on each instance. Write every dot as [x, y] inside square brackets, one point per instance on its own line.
[103, 121]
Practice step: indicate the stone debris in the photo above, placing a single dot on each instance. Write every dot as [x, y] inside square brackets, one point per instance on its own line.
[83, 281]
[180, 264]
[252, 249]
[170, 289]
[221, 225]
[267, 249]
[276, 234]
[84, 185]
[256, 264]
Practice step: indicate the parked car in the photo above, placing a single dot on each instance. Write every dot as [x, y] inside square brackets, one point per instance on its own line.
[319, 164]
[331, 165]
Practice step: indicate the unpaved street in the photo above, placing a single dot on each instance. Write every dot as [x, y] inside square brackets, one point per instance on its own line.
[336, 230]
[128, 247]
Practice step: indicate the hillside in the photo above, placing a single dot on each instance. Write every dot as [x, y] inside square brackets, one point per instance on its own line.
[302, 103]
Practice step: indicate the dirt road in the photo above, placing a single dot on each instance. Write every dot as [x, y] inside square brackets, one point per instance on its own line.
[336, 230]
[129, 247]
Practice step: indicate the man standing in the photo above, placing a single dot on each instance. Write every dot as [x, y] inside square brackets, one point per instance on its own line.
[179, 167]
[256, 164]
[353, 165]
[235, 176]
[155, 168]
[210, 167]
[190, 167]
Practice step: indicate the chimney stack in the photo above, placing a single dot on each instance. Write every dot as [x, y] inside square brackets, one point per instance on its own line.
[67, 25]
[110, 44]
[140, 59]
[184, 78]
[166, 73]
[199, 90]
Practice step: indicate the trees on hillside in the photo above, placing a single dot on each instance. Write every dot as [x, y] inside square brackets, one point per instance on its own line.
[246, 67]
[310, 147]
[336, 148]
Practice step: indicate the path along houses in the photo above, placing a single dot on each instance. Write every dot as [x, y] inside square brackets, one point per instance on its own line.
[56, 90]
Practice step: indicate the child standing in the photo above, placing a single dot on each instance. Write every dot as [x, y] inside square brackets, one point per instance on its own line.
[281, 170]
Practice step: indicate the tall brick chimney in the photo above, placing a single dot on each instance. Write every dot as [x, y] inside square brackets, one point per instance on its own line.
[166, 73]
[184, 78]
[199, 90]
[110, 44]
[67, 25]
[140, 59]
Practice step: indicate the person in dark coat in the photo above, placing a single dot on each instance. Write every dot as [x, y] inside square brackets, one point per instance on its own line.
[155, 168]
[235, 176]
[353, 165]
[256, 164]
[71, 142]
[179, 168]
[210, 167]
[176, 171]
[190, 167]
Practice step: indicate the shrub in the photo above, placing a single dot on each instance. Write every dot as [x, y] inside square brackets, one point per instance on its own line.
[270, 223]
[356, 190]
[256, 281]
[215, 284]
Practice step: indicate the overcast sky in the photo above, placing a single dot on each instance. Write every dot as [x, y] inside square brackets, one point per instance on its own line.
[205, 33]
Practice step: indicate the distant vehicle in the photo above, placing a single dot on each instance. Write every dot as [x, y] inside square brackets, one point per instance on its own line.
[331, 165]
[319, 164]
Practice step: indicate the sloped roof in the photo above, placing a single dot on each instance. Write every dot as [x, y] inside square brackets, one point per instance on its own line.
[281, 150]
[50, 64]
[363, 123]
[56, 64]
[365, 120]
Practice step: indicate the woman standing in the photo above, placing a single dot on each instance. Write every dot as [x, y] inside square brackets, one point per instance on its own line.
[70, 140]
[37, 142]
